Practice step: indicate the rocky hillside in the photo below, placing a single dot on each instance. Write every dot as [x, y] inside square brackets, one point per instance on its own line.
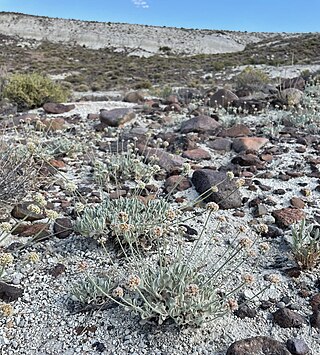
[138, 39]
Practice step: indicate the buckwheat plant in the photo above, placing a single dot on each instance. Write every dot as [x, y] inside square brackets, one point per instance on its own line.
[124, 164]
[127, 220]
[188, 286]
[306, 244]
[6, 259]
[18, 171]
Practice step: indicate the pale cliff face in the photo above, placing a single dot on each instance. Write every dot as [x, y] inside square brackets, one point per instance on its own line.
[146, 40]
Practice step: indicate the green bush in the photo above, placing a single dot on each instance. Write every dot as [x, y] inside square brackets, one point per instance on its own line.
[251, 78]
[34, 90]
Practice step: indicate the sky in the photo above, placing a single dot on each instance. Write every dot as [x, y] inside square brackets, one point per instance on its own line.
[238, 15]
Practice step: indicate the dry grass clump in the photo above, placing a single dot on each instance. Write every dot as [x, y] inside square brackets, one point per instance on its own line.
[306, 245]
[18, 171]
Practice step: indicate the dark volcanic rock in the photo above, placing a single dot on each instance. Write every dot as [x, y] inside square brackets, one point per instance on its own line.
[21, 211]
[200, 124]
[248, 143]
[221, 144]
[135, 97]
[259, 345]
[297, 346]
[9, 293]
[286, 318]
[169, 162]
[223, 97]
[315, 319]
[285, 217]
[116, 117]
[51, 107]
[177, 182]
[196, 154]
[237, 130]
[62, 227]
[204, 179]
[244, 311]
[247, 160]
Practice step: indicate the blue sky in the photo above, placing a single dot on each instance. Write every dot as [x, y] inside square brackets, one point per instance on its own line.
[242, 15]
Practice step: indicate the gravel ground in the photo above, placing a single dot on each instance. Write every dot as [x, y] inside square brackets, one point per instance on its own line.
[44, 321]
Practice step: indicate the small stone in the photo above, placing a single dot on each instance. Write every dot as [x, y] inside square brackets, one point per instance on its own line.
[167, 161]
[227, 196]
[116, 117]
[237, 130]
[21, 211]
[62, 227]
[220, 144]
[200, 124]
[294, 272]
[222, 97]
[297, 346]
[273, 232]
[286, 217]
[52, 124]
[244, 311]
[315, 319]
[248, 143]
[57, 270]
[260, 210]
[9, 293]
[286, 318]
[196, 154]
[179, 183]
[117, 194]
[297, 202]
[58, 164]
[100, 347]
[266, 157]
[315, 302]
[247, 160]
[41, 230]
[51, 107]
[135, 97]
[260, 345]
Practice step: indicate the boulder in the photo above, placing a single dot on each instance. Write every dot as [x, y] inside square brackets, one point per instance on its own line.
[54, 108]
[227, 196]
[116, 117]
[260, 345]
[200, 124]
[223, 97]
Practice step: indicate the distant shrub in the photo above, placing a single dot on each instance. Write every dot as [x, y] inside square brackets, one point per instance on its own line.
[252, 78]
[146, 84]
[82, 88]
[165, 49]
[34, 90]
[3, 78]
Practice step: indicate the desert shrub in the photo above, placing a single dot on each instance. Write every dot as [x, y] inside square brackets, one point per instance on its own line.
[251, 78]
[33, 90]
[306, 244]
[188, 286]
[17, 171]
[82, 88]
[124, 164]
[3, 79]
[146, 84]
[128, 220]
[307, 115]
